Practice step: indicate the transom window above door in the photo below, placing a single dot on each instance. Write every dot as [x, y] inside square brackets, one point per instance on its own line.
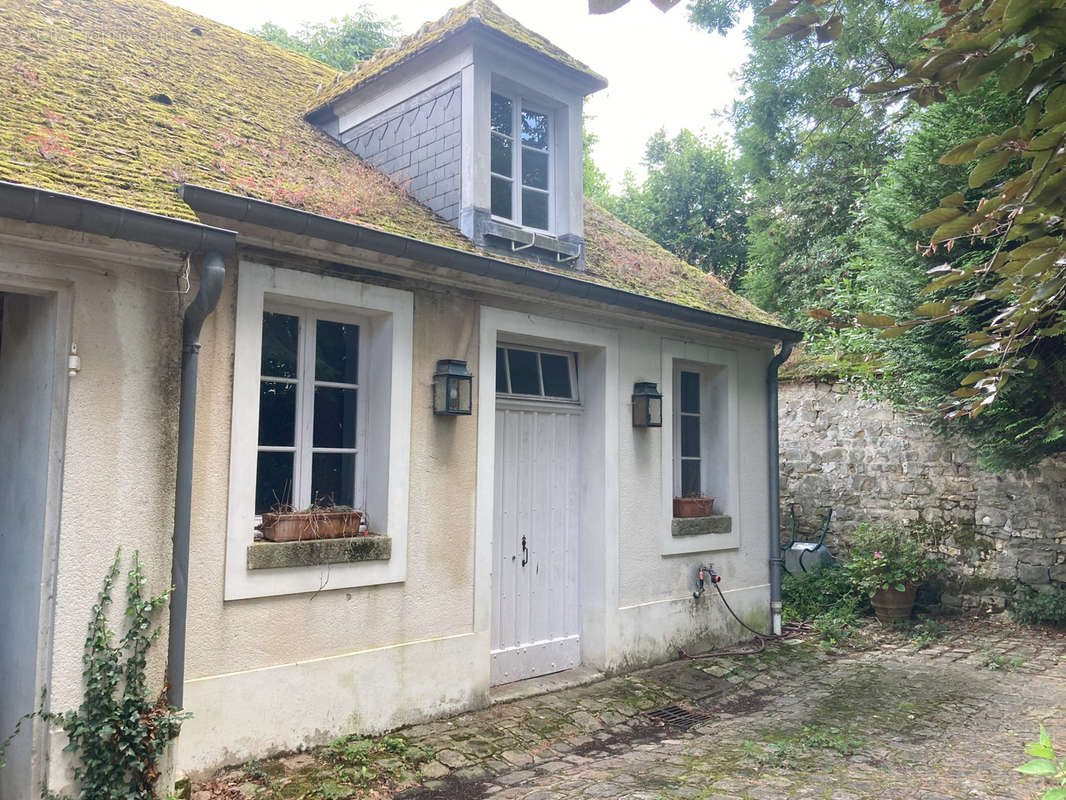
[535, 373]
[309, 404]
[520, 163]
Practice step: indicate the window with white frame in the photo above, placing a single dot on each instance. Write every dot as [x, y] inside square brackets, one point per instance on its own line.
[526, 372]
[701, 442]
[309, 411]
[520, 162]
[322, 385]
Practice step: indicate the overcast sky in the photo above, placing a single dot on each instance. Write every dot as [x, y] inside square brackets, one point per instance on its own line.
[662, 72]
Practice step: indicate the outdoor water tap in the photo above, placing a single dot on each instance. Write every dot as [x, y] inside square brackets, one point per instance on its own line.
[704, 574]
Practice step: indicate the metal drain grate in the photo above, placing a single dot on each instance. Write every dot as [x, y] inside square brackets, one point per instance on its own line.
[678, 717]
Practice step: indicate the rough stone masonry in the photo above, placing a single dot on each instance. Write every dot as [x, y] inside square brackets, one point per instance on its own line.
[871, 462]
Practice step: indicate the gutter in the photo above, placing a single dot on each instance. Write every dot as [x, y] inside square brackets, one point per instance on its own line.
[776, 560]
[304, 223]
[30, 204]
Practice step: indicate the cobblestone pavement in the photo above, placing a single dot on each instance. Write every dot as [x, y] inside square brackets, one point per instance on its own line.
[880, 718]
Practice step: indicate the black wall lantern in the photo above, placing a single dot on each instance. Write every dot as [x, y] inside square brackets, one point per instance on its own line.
[647, 405]
[452, 388]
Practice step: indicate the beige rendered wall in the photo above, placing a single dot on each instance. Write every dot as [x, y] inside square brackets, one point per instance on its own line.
[121, 424]
[281, 672]
[657, 612]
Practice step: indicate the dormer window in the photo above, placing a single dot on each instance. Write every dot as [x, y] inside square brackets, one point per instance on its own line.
[520, 171]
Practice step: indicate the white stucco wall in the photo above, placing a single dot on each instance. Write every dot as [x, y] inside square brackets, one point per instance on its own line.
[281, 672]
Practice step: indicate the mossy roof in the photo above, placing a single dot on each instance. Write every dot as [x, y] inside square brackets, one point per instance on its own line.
[473, 13]
[125, 101]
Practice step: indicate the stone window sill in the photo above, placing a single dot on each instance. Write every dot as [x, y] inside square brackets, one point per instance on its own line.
[313, 552]
[701, 526]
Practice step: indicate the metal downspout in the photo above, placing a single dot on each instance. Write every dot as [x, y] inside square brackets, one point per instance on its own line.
[776, 560]
[214, 273]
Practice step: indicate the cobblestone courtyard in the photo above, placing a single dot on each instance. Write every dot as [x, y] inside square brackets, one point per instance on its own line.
[880, 718]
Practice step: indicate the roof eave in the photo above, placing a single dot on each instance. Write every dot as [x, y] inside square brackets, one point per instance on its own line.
[43, 207]
[304, 223]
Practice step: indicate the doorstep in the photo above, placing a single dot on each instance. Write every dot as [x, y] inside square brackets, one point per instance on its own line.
[544, 684]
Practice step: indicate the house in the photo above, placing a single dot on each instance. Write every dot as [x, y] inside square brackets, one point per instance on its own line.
[224, 262]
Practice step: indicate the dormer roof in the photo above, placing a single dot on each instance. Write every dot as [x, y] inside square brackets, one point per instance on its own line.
[482, 16]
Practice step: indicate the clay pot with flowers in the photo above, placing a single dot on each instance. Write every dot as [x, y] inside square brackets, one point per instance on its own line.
[888, 561]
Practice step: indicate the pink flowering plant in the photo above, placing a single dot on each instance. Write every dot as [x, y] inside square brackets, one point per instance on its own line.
[888, 555]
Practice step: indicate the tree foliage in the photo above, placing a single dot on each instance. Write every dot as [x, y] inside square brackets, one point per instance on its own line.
[1011, 299]
[692, 202]
[341, 43]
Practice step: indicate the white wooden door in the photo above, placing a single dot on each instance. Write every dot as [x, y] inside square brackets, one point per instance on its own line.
[536, 614]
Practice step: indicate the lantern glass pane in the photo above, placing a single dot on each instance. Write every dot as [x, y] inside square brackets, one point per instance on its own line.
[655, 412]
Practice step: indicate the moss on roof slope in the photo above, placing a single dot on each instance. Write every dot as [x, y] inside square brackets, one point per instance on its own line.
[627, 259]
[124, 101]
[482, 12]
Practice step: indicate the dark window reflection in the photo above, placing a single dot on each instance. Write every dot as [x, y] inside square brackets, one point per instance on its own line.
[273, 481]
[333, 479]
[555, 372]
[524, 377]
[280, 336]
[337, 356]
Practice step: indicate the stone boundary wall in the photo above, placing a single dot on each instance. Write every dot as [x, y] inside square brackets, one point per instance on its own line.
[871, 462]
[418, 144]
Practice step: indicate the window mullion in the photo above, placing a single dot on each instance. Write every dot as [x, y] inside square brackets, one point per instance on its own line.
[305, 412]
[516, 165]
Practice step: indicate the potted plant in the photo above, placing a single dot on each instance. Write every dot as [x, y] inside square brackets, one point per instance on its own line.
[693, 506]
[888, 561]
[286, 524]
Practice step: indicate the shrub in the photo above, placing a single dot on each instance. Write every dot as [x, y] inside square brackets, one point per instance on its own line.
[888, 555]
[1041, 608]
[826, 591]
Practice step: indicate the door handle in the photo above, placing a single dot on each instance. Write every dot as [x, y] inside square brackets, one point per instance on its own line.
[525, 552]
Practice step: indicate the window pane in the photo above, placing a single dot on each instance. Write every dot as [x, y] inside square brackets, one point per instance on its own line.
[690, 478]
[534, 168]
[534, 209]
[333, 479]
[555, 372]
[535, 129]
[334, 417]
[501, 374]
[502, 116]
[690, 436]
[280, 335]
[277, 414]
[337, 356]
[524, 379]
[501, 198]
[690, 392]
[273, 481]
[501, 154]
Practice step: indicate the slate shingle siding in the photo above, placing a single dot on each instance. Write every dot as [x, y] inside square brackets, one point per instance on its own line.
[418, 144]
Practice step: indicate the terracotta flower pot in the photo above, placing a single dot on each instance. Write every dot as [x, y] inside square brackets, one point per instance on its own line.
[299, 525]
[693, 507]
[891, 604]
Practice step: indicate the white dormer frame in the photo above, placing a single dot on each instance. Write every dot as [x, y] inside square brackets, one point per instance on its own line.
[519, 105]
[542, 87]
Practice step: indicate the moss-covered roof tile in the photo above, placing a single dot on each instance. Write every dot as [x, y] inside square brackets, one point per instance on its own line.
[124, 100]
[473, 12]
